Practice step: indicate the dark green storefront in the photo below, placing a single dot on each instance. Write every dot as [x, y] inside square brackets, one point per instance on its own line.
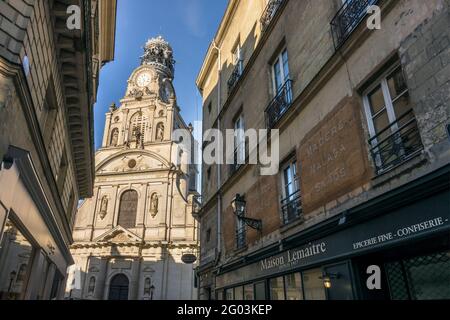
[403, 235]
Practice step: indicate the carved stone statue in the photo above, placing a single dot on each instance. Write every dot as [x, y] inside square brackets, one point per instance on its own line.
[115, 138]
[104, 207]
[154, 204]
[160, 132]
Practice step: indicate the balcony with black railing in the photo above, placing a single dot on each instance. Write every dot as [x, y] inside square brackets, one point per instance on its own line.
[279, 105]
[235, 76]
[347, 19]
[396, 144]
[291, 208]
[269, 12]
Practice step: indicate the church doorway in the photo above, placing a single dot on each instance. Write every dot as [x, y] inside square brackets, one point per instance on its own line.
[118, 289]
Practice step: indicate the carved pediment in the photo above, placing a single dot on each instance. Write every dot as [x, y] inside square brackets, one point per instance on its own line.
[118, 235]
[132, 161]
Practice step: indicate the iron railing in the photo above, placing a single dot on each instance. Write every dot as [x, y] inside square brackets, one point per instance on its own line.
[235, 76]
[269, 13]
[396, 144]
[292, 208]
[347, 19]
[279, 105]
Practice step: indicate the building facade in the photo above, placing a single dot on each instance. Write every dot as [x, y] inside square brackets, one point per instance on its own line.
[133, 236]
[360, 206]
[50, 58]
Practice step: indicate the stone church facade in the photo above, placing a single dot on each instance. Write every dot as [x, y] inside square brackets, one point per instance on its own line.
[131, 236]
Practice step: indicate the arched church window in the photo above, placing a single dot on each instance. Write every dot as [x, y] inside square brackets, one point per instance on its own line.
[128, 209]
[91, 285]
[137, 127]
[114, 137]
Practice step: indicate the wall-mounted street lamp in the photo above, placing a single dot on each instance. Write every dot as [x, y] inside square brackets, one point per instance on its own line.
[327, 279]
[239, 206]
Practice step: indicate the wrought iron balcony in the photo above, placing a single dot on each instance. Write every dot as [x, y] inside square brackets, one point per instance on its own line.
[269, 13]
[347, 19]
[279, 105]
[235, 76]
[396, 144]
[292, 208]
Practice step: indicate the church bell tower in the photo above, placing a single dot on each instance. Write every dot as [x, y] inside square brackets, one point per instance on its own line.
[131, 236]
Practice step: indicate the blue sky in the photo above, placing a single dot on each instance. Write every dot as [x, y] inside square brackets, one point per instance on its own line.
[189, 26]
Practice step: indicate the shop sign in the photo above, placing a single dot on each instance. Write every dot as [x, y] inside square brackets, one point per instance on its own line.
[427, 217]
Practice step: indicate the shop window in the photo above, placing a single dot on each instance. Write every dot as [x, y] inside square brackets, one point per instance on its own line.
[219, 295]
[260, 291]
[294, 287]
[277, 289]
[249, 292]
[420, 278]
[313, 285]
[239, 293]
[229, 294]
[15, 261]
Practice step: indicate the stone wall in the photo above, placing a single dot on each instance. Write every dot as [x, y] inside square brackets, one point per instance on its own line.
[425, 55]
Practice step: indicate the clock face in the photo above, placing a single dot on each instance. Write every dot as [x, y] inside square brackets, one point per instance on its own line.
[143, 80]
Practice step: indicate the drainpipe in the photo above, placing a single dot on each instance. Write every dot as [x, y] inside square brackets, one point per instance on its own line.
[219, 175]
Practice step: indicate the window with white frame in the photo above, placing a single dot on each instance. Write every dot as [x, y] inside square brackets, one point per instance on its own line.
[291, 202]
[239, 141]
[280, 71]
[391, 121]
[237, 57]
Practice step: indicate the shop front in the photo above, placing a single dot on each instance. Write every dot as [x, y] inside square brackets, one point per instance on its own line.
[399, 254]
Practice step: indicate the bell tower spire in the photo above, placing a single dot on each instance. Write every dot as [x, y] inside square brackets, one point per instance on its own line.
[159, 54]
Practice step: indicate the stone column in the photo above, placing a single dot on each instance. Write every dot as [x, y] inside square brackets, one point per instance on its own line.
[135, 277]
[169, 123]
[106, 134]
[91, 218]
[101, 280]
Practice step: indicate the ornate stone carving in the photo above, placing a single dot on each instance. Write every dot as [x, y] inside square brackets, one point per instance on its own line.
[154, 205]
[159, 53]
[103, 207]
[137, 93]
[160, 132]
[114, 137]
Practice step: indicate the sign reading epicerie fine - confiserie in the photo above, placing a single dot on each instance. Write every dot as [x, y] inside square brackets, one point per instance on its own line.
[427, 216]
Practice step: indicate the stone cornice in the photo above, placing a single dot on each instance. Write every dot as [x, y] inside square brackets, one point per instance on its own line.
[23, 92]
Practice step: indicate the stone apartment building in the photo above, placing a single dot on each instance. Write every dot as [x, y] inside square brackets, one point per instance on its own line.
[49, 75]
[363, 190]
